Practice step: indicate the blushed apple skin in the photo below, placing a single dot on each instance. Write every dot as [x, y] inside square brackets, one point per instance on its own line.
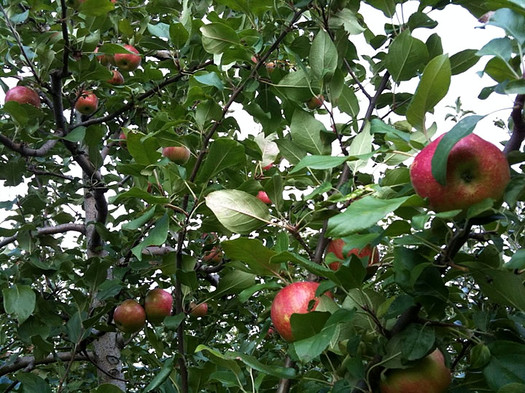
[158, 305]
[336, 247]
[178, 154]
[129, 316]
[476, 170]
[292, 299]
[23, 95]
[87, 103]
[430, 375]
[198, 310]
[128, 61]
[263, 197]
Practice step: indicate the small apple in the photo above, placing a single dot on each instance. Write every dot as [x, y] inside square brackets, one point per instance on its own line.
[129, 316]
[87, 103]
[158, 304]
[263, 197]
[214, 255]
[476, 170]
[270, 67]
[198, 310]
[315, 102]
[336, 247]
[429, 375]
[267, 167]
[122, 139]
[296, 298]
[117, 78]
[178, 154]
[23, 95]
[128, 61]
[104, 59]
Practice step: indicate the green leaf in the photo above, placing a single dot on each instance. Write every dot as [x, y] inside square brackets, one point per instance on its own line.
[96, 7]
[405, 57]
[139, 221]
[161, 30]
[276, 371]
[142, 148]
[361, 145]
[210, 79]
[512, 388]
[32, 383]
[161, 375]
[432, 88]
[253, 253]
[511, 21]
[178, 35]
[323, 55]
[348, 102]
[319, 162]
[234, 282]
[414, 342]
[500, 286]
[362, 214]
[306, 132]
[238, 211]
[141, 194]
[224, 153]
[505, 365]
[462, 61]
[156, 237]
[498, 47]
[440, 158]
[217, 37]
[517, 261]
[380, 127]
[387, 6]
[107, 388]
[19, 300]
[291, 151]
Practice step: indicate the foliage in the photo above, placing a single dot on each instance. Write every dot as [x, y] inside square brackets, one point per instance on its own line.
[100, 218]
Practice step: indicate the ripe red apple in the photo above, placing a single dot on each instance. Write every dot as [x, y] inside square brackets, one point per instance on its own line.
[128, 61]
[178, 154]
[336, 247]
[214, 255]
[117, 78]
[158, 304]
[104, 59]
[476, 170]
[129, 316]
[296, 298]
[315, 102]
[23, 95]
[198, 310]
[87, 103]
[429, 375]
[263, 197]
[267, 167]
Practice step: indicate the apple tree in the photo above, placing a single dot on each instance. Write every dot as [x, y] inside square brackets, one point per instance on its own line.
[214, 149]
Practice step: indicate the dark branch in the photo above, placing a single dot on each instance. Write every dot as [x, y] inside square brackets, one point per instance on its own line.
[518, 131]
[30, 361]
[62, 228]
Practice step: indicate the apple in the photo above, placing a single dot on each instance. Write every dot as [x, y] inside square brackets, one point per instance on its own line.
[117, 78]
[335, 246]
[429, 375]
[158, 304]
[23, 95]
[104, 59]
[128, 61]
[476, 170]
[296, 298]
[267, 167]
[198, 310]
[263, 197]
[122, 139]
[270, 67]
[315, 102]
[87, 103]
[129, 316]
[178, 154]
[214, 255]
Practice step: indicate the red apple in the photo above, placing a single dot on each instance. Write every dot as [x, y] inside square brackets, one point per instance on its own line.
[315, 102]
[336, 247]
[128, 61]
[104, 59]
[476, 170]
[158, 304]
[263, 197]
[178, 154]
[129, 316]
[117, 78]
[214, 255]
[296, 298]
[429, 375]
[198, 310]
[23, 95]
[267, 167]
[87, 103]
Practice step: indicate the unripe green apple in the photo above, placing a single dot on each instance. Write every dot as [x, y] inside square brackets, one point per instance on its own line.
[129, 316]
[429, 375]
[476, 170]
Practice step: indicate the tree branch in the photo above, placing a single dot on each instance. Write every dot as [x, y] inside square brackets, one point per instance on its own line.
[27, 151]
[25, 361]
[62, 228]
[518, 130]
